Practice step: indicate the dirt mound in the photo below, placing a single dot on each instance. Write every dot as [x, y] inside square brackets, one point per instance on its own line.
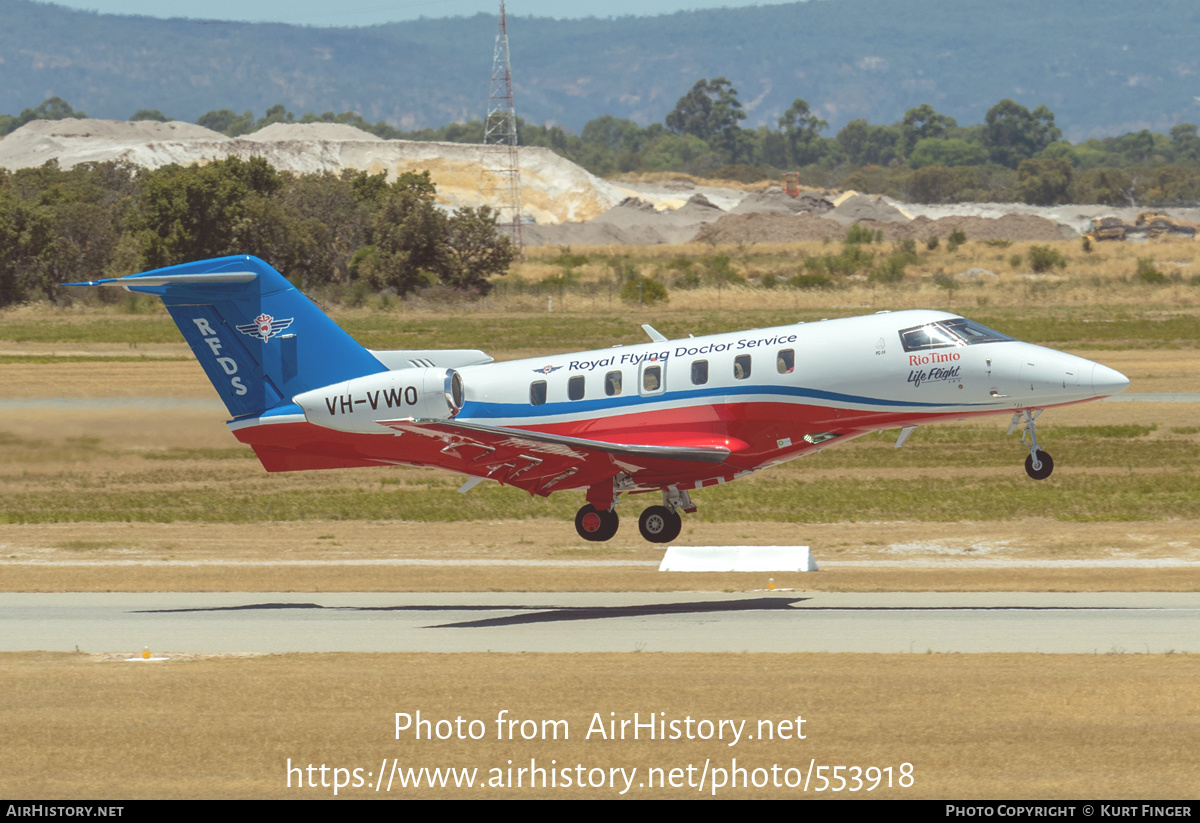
[1008, 227]
[775, 199]
[773, 227]
[770, 227]
[698, 208]
[633, 222]
[859, 208]
[281, 132]
[631, 211]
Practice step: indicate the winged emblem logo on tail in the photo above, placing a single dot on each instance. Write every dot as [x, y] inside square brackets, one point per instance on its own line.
[265, 327]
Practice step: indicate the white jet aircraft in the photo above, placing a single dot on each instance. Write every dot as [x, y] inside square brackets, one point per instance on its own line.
[667, 416]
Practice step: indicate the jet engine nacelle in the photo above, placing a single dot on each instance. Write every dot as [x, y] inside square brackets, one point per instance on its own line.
[356, 405]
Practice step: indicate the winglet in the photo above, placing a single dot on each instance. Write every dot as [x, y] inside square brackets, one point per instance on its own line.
[655, 335]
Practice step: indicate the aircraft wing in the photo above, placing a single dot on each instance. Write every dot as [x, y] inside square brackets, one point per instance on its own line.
[541, 462]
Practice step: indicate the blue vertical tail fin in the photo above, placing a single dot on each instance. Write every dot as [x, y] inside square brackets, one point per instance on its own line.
[259, 339]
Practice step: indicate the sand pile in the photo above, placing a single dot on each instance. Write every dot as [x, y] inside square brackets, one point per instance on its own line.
[553, 189]
[853, 208]
[770, 227]
[633, 221]
[775, 199]
[140, 131]
[279, 132]
[71, 142]
[1008, 227]
[784, 228]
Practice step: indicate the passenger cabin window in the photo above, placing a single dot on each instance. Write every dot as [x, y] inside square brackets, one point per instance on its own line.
[575, 387]
[699, 372]
[537, 392]
[785, 361]
[612, 383]
[741, 367]
[652, 378]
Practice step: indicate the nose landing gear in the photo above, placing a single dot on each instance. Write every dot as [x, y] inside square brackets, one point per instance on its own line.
[1039, 464]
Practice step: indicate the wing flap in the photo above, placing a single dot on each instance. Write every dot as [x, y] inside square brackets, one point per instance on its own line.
[576, 448]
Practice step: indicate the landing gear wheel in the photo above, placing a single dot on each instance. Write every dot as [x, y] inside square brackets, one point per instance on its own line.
[658, 524]
[595, 524]
[1044, 469]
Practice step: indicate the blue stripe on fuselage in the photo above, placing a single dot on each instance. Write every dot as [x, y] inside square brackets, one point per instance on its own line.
[474, 409]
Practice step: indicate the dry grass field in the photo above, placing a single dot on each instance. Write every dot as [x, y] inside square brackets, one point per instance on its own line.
[131, 482]
[972, 726]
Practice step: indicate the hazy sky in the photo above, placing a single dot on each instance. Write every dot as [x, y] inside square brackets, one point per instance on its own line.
[370, 12]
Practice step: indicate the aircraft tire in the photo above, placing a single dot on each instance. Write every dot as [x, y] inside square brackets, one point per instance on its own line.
[596, 525]
[1046, 468]
[658, 524]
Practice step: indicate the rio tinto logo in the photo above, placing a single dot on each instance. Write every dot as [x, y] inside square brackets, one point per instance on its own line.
[932, 357]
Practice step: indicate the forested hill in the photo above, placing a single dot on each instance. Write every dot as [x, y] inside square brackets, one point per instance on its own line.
[1105, 67]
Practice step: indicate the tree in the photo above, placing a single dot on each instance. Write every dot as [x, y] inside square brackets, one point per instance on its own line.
[408, 238]
[866, 144]
[1185, 142]
[194, 212]
[1012, 133]
[923, 123]
[474, 250]
[1045, 182]
[951, 152]
[613, 134]
[933, 184]
[227, 122]
[58, 225]
[275, 114]
[710, 111]
[52, 108]
[803, 131]
[149, 114]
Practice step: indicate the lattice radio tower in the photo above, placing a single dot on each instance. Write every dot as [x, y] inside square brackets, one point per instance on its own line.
[500, 131]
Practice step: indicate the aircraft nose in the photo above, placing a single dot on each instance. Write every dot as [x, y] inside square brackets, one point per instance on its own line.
[1107, 382]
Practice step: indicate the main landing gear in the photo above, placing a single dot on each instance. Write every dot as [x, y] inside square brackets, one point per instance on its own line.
[1038, 464]
[658, 524]
[596, 524]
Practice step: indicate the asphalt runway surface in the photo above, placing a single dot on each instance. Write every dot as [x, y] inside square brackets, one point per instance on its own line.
[216, 623]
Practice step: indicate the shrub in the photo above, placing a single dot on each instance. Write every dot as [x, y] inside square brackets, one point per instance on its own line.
[943, 280]
[1044, 258]
[651, 291]
[859, 233]
[1148, 273]
[810, 281]
[890, 271]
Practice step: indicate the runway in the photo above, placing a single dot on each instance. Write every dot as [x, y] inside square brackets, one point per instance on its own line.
[215, 623]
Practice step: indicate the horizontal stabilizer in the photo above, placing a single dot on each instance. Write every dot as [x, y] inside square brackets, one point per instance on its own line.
[207, 278]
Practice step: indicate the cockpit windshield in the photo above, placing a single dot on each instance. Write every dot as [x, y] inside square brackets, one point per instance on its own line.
[944, 334]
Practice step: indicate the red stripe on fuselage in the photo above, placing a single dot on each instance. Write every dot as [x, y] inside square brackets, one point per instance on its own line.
[752, 431]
